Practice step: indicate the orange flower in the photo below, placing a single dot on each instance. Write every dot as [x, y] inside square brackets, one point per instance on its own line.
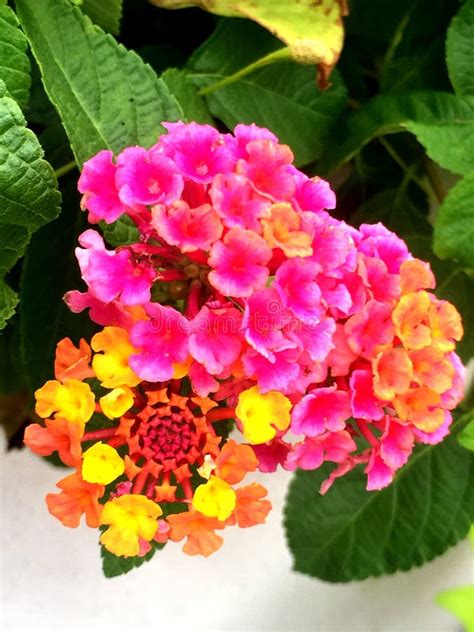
[282, 230]
[249, 508]
[431, 368]
[202, 540]
[410, 318]
[416, 275]
[446, 325]
[77, 498]
[419, 406]
[59, 435]
[234, 461]
[71, 362]
[392, 373]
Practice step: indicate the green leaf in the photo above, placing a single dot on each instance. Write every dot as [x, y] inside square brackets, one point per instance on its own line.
[106, 96]
[442, 122]
[466, 436]
[104, 13]
[351, 534]
[8, 302]
[14, 62]
[113, 565]
[460, 602]
[49, 270]
[312, 31]
[454, 225]
[120, 233]
[459, 50]
[181, 87]
[282, 97]
[28, 193]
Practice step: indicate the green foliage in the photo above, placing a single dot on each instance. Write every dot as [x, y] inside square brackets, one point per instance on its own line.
[466, 436]
[282, 97]
[454, 226]
[105, 13]
[184, 91]
[443, 123]
[350, 534]
[14, 62]
[121, 232]
[113, 566]
[28, 193]
[459, 50]
[105, 95]
[460, 602]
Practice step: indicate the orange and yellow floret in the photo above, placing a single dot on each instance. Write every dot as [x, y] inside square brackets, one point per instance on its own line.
[158, 470]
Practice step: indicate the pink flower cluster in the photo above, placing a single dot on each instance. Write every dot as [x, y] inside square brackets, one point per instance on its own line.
[243, 283]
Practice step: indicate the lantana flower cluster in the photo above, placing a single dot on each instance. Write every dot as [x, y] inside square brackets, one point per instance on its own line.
[241, 306]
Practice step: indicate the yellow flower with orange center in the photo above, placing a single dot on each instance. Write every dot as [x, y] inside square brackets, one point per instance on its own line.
[111, 366]
[420, 407]
[261, 414]
[393, 372]
[410, 318]
[72, 401]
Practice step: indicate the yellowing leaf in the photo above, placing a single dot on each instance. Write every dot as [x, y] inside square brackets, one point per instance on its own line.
[312, 30]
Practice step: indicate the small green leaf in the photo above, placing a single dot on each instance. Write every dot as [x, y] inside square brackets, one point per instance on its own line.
[350, 534]
[282, 97]
[120, 233]
[181, 87]
[14, 62]
[454, 225]
[466, 436]
[106, 96]
[8, 302]
[460, 51]
[113, 565]
[460, 602]
[28, 193]
[105, 13]
[442, 122]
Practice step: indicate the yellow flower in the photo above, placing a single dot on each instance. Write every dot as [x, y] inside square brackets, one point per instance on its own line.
[111, 366]
[102, 464]
[131, 517]
[215, 499]
[261, 413]
[117, 402]
[72, 401]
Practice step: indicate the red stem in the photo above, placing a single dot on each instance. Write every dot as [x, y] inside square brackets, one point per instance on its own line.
[106, 433]
[218, 414]
[366, 433]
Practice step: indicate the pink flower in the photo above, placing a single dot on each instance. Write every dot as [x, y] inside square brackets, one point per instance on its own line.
[271, 455]
[147, 177]
[239, 263]
[245, 134]
[162, 340]
[379, 474]
[370, 329]
[202, 382]
[332, 241]
[97, 183]
[431, 438]
[315, 339]
[322, 409]
[379, 242]
[189, 229]
[272, 376]
[199, 151]
[112, 274]
[384, 287]
[310, 454]
[295, 282]
[264, 319]
[112, 313]
[314, 194]
[396, 444]
[340, 357]
[365, 405]
[215, 338]
[238, 203]
[267, 167]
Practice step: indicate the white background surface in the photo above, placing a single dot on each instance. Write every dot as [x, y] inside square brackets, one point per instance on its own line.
[51, 577]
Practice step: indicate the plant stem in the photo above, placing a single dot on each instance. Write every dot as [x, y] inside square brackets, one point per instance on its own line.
[406, 168]
[61, 171]
[272, 58]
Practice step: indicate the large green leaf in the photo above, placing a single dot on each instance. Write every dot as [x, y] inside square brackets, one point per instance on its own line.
[49, 270]
[113, 565]
[106, 96]
[313, 31]
[442, 122]
[184, 91]
[350, 534]
[104, 13]
[454, 226]
[14, 62]
[282, 97]
[460, 50]
[28, 193]
[466, 436]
